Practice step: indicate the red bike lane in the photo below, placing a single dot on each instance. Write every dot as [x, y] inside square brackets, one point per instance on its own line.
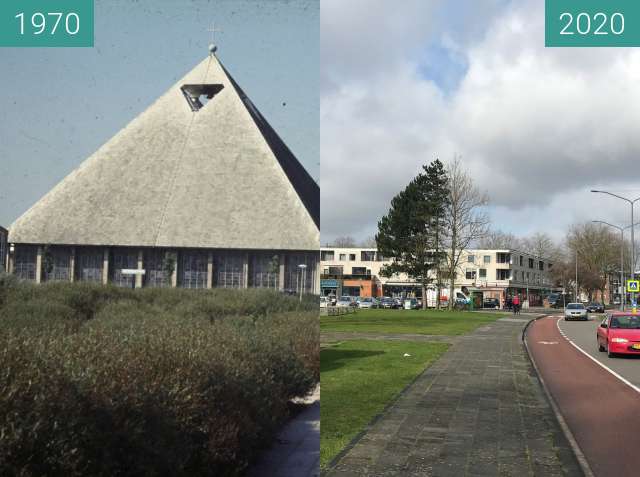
[602, 412]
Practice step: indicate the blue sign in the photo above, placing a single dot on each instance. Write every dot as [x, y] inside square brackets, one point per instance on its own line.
[329, 283]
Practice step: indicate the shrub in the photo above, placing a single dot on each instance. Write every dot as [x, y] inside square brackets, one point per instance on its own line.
[103, 381]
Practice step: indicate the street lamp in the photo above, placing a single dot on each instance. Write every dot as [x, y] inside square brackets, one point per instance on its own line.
[633, 243]
[302, 268]
[621, 229]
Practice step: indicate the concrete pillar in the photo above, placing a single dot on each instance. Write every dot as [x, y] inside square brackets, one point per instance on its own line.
[39, 265]
[281, 259]
[210, 270]
[105, 267]
[316, 280]
[140, 267]
[245, 270]
[174, 275]
[11, 260]
[72, 265]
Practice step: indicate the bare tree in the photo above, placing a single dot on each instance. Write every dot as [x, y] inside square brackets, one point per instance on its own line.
[369, 242]
[466, 219]
[345, 242]
[497, 239]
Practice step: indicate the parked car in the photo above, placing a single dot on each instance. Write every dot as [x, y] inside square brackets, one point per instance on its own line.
[324, 302]
[619, 333]
[367, 302]
[491, 303]
[398, 303]
[595, 307]
[575, 311]
[345, 302]
[386, 302]
[410, 304]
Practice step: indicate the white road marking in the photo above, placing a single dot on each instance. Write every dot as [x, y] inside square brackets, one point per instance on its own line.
[625, 381]
[548, 342]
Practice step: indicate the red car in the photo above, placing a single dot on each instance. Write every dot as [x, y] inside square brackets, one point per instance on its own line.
[619, 333]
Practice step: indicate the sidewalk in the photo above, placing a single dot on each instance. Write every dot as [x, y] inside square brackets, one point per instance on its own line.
[296, 452]
[478, 411]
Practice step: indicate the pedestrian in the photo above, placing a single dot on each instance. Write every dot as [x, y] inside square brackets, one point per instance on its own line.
[516, 304]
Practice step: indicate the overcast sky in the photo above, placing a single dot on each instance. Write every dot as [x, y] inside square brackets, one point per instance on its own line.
[403, 83]
[58, 105]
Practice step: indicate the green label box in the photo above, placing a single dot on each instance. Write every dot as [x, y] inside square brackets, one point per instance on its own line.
[46, 23]
[592, 23]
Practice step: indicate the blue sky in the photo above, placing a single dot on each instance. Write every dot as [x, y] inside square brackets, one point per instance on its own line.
[60, 104]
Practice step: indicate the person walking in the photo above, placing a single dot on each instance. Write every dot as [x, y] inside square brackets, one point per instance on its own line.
[516, 304]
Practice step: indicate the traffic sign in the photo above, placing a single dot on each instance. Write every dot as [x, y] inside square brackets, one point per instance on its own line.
[633, 285]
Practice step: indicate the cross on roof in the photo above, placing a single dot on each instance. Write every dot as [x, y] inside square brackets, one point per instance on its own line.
[213, 30]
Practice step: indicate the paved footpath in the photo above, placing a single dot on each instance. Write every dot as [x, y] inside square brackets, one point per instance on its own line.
[602, 412]
[478, 411]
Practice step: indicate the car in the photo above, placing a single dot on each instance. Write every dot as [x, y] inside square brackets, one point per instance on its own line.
[595, 307]
[367, 302]
[491, 303]
[410, 304]
[619, 333]
[345, 302]
[386, 302]
[324, 302]
[575, 311]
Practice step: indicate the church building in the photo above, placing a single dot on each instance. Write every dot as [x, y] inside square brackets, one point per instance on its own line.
[198, 191]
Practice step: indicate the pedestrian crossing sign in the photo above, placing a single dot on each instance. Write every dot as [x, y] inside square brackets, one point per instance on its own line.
[633, 285]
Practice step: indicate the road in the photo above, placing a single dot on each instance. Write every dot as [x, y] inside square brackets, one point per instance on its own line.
[602, 411]
[583, 334]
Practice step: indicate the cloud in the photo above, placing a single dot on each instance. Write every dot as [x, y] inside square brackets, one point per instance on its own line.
[537, 127]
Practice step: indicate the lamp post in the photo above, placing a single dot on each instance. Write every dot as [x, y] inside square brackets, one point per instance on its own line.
[633, 243]
[302, 268]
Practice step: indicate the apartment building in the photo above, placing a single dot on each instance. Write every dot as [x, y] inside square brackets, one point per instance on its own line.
[481, 273]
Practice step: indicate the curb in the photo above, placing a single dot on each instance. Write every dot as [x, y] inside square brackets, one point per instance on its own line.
[582, 460]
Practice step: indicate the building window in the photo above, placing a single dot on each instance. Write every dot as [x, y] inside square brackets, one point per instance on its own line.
[531, 263]
[541, 265]
[352, 257]
[521, 260]
[155, 276]
[265, 271]
[25, 262]
[293, 274]
[502, 274]
[470, 275]
[3, 249]
[60, 260]
[229, 270]
[89, 263]
[193, 270]
[471, 259]
[359, 271]
[123, 259]
[327, 255]
[334, 271]
[367, 256]
[483, 273]
[502, 257]
[343, 257]
[487, 259]
[379, 257]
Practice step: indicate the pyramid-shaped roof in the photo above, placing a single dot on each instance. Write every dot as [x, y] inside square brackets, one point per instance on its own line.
[178, 176]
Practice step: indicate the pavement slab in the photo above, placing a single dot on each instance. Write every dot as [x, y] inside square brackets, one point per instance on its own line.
[478, 411]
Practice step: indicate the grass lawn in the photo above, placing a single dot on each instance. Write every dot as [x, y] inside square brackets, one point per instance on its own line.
[359, 378]
[425, 322]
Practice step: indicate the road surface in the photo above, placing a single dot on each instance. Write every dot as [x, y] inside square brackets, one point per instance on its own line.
[600, 409]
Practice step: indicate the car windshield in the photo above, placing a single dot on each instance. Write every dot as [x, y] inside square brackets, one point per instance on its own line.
[575, 306]
[630, 322]
[345, 298]
[367, 300]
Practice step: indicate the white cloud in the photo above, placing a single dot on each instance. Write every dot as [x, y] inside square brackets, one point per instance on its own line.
[538, 127]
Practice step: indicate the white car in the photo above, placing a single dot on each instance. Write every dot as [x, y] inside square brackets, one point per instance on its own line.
[345, 302]
[324, 302]
[575, 311]
[368, 302]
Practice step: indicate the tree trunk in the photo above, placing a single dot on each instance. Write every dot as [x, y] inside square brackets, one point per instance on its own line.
[424, 296]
